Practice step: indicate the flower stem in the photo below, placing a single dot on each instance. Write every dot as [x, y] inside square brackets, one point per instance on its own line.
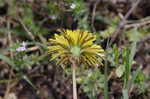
[74, 80]
[106, 82]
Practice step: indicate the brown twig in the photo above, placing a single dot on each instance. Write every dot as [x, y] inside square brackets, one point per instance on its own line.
[93, 15]
[123, 22]
[9, 36]
[9, 84]
[26, 29]
[11, 55]
[137, 25]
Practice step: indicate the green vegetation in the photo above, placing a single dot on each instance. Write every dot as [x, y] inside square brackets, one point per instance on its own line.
[29, 54]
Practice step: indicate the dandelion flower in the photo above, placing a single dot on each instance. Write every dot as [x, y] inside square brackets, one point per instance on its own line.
[77, 45]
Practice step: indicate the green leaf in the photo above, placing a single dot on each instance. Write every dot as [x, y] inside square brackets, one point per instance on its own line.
[108, 32]
[7, 60]
[28, 80]
[2, 3]
[116, 55]
[120, 70]
[134, 35]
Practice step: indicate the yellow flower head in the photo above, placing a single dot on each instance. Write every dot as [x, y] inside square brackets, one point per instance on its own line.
[77, 45]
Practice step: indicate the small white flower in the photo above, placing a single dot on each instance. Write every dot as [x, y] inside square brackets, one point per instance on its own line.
[72, 6]
[24, 44]
[53, 17]
[22, 47]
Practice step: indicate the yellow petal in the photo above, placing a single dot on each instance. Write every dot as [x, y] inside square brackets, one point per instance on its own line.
[55, 48]
[83, 36]
[88, 42]
[55, 55]
[59, 40]
[63, 60]
[93, 49]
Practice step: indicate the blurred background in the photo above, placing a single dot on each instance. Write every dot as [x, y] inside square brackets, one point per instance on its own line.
[26, 71]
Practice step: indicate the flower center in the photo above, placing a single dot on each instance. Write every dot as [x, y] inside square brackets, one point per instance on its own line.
[76, 51]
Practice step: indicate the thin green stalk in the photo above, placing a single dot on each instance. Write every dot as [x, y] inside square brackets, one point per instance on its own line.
[74, 80]
[127, 73]
[125, 93]
[128, 59]
[106, 73]
[106, 82]
[127, 68]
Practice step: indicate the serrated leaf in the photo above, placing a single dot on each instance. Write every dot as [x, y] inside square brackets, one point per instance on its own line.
[108, 32]
[134, 35]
